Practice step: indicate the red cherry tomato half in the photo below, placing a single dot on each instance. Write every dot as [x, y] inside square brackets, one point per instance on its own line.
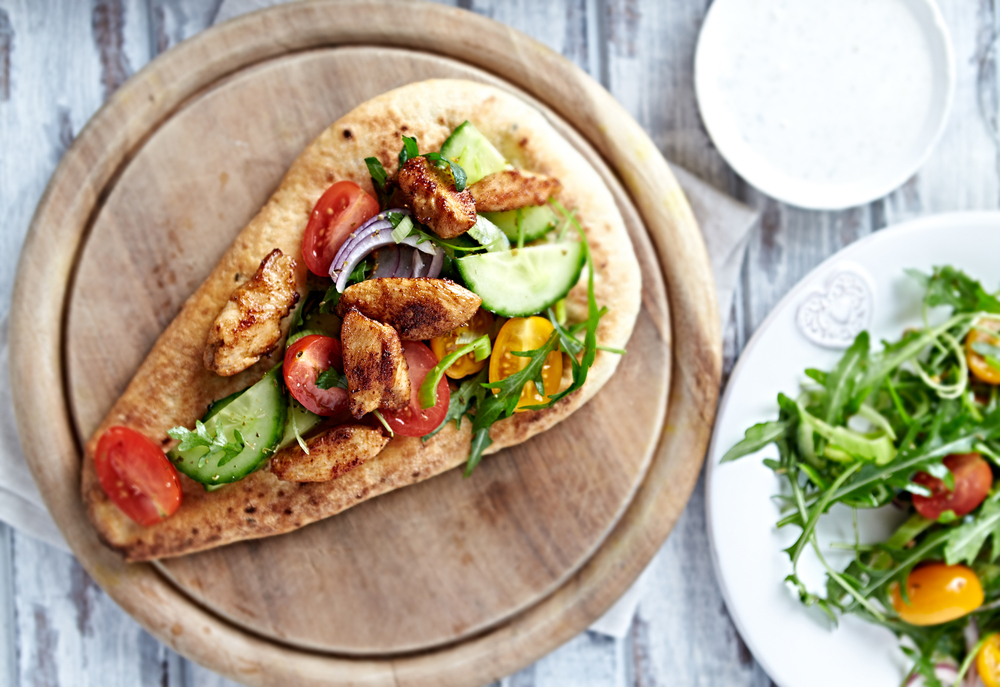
[340, 210]
[304, 361]
[413, 421]
[136, 475]
[973, 479]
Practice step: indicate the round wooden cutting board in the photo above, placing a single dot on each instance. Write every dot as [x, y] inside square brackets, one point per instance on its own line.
[449, 582]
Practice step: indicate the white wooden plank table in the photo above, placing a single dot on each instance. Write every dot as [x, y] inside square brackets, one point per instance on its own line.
[59, 59]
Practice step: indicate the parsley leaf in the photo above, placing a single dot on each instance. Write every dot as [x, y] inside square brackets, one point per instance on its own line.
[217, 444]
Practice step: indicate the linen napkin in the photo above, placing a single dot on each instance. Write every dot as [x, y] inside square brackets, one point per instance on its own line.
[725, 225]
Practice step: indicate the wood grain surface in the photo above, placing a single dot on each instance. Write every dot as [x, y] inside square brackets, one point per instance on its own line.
[59, 59]
[435, 562]
[83, 192]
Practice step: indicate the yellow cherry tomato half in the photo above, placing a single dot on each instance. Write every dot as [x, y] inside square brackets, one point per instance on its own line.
[988, 661]
[525, 334]
[481, 323]
[938, 593]
[981, 369]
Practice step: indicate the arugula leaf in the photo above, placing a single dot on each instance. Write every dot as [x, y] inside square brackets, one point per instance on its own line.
[409, 150]
[582, 367]
[330, 378]
[359, 273]
[950, 286]
[493, 407]
[330, 299]
[217, 444]
[757, 437]
[469, 393]
[840, 384]
[457, 173]
[967, 540]
[480, 442]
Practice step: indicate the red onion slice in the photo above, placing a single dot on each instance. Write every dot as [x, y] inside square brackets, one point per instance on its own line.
[437, 262]
[387, 262]
[405, 268]
[374, 234]
[420, 264]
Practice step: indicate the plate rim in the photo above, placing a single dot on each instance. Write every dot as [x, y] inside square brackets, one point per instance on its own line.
[806, 283]
[822, 196]
[163, 85]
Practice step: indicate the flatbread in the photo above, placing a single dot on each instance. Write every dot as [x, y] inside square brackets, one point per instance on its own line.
[173, 388]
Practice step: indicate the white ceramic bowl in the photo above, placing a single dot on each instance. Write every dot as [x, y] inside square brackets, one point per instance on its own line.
[825, 104]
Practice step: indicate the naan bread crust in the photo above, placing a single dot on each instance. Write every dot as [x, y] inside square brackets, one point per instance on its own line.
[172, 386]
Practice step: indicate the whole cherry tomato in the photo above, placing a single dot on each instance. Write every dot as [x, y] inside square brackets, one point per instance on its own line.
[973, 480]
[938, 594]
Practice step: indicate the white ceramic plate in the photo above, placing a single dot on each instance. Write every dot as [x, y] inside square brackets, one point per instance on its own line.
[863, 285]
[825, 104]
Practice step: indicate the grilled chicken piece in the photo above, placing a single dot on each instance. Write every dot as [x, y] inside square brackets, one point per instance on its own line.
[377, 374]
[512, 189]
[248, 327]
[419, 309]
[331, 454]
[430, 193]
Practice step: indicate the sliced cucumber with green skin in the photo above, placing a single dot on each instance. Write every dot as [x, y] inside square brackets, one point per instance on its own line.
[537, 221]
[298, 419]
[517, 283]
[473, 153]
[215, 406]
[489, 235]
[258, 414]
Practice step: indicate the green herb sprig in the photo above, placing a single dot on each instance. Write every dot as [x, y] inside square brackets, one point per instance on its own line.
[216, 443]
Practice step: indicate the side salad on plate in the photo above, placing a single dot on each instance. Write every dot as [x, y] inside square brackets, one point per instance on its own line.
[913, 426]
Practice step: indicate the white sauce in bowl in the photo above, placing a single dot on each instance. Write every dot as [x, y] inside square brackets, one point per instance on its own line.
[824, 102]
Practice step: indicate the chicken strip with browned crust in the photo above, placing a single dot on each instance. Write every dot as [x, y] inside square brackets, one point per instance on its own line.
[331, 454]
[431, 194]
[249, 325]
[417, 308]
[511, 189]
[376, 371]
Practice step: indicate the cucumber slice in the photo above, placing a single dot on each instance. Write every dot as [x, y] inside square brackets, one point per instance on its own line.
[298, 418]
[259, 415]
[473, 153]
[489, 235]
[536, 221]
[517, 283]
[215, 406]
